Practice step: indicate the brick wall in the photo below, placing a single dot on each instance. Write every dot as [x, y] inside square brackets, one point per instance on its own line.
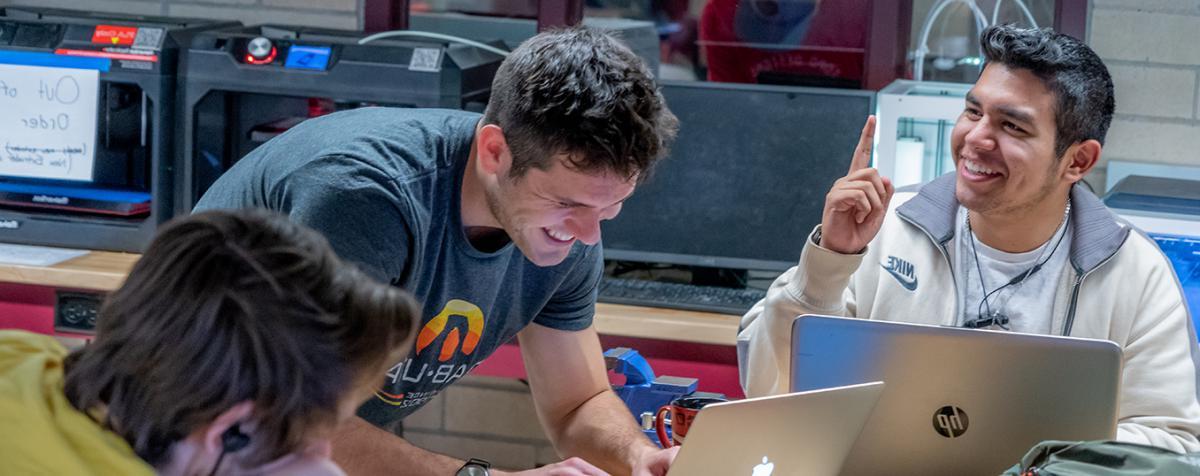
[342, 14]
[1149, 46]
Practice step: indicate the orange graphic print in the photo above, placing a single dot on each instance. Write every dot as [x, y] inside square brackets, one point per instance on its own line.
[435, 327]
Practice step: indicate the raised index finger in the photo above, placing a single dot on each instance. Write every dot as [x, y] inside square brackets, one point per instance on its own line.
[862, 153]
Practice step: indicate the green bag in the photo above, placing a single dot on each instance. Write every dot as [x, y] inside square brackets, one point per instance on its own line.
[1103, 458]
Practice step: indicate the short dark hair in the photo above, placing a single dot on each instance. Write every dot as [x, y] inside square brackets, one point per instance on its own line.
[580, 92]
[226, 307]
[1082, 87]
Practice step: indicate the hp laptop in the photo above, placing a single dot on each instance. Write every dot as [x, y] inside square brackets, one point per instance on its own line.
[807, 433]
[959, 401]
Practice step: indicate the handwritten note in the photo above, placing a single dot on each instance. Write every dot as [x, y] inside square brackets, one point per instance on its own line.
[48, 122]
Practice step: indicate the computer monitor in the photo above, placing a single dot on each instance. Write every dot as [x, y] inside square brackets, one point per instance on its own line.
[746, 178]
[1168, 210]
[1184, 253]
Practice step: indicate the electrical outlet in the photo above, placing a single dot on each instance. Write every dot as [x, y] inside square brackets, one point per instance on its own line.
[76, 311]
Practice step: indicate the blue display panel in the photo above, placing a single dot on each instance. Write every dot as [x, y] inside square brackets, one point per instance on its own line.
[308, 57]
[1184, 253]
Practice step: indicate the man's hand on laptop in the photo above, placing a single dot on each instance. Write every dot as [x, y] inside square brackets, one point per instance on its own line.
[655, 463]
[568, 467]
[857, 203]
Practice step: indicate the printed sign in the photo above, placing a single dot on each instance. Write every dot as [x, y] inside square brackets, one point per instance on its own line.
[426, 59]
[114, 35]
[149, 38]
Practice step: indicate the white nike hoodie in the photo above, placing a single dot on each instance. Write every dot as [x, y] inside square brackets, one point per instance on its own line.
[1117, 286]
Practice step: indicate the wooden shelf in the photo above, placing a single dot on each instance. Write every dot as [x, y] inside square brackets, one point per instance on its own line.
[105, 271]
[98, 271]
[667, 324]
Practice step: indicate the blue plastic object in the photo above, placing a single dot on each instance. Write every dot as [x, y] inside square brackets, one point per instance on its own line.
[643, 392]
[33, 58]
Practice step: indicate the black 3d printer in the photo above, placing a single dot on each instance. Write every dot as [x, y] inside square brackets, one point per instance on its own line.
[86, 120]
[244, 86]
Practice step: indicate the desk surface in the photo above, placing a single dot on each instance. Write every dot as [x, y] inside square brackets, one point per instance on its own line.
[98, 270]
[105, 271]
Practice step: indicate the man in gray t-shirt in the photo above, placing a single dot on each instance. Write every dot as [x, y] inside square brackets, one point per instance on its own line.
[493, 222]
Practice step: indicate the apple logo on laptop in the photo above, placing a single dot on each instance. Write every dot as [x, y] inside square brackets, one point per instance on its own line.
[764, 469]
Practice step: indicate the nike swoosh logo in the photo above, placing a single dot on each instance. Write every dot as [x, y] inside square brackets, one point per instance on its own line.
[908, 283]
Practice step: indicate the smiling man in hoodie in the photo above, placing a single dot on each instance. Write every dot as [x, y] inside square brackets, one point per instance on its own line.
[1009, 241]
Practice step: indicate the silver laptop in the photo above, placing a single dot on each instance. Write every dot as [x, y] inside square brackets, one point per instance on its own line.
[959, 401]
[807, 433]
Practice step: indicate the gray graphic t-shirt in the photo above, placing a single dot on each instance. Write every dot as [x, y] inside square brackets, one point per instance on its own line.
[383, 185]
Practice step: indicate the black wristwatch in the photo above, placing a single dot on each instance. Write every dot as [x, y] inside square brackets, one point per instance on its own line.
[475, 467]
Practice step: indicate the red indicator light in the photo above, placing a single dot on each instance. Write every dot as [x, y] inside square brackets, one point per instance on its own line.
[264, 60]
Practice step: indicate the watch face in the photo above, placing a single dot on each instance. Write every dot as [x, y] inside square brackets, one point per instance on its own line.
[472, 470]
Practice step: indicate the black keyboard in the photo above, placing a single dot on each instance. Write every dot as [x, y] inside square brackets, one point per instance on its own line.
[691, 297]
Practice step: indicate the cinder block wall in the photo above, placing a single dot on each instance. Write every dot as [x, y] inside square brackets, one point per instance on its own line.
[343, 14]
[483, 417]
[1149, 46]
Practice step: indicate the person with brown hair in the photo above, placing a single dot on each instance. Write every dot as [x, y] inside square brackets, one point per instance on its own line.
[238, 343]
[493, 221]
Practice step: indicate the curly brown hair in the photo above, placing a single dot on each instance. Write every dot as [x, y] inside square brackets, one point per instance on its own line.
[582, 93]
[234, 306]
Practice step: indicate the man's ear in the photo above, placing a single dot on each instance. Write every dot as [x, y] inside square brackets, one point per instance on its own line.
[1081, 158]
[492, 154]
[236, 414]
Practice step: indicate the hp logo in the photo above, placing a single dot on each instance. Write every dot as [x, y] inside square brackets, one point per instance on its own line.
[950, 421]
